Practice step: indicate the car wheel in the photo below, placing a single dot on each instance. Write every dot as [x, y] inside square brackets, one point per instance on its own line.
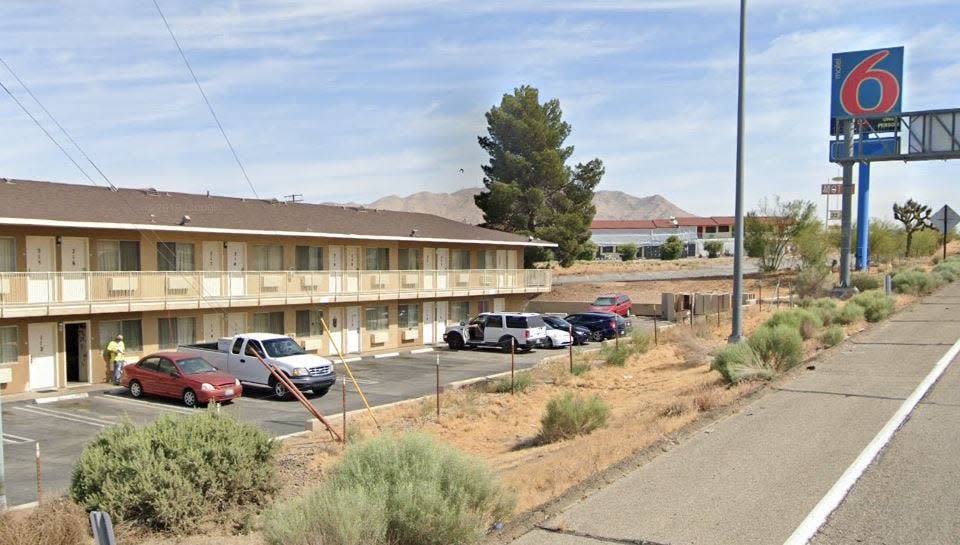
[136, 390]
[597, 336]
[454, 341]
[279, 390]
[319, 392]
[507, 343]
[549, 343]
[189, 398]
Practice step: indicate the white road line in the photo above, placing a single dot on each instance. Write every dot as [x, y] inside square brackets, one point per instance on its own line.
[16, 439]
[421, 350]
[387, 355]
[71, 418]
[141, 403]
[810, 525]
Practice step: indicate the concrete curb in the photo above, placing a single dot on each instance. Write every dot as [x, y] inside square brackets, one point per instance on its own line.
[54, 399]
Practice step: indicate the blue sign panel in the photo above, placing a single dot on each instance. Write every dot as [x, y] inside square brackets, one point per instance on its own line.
[866, 148]
[867, 83]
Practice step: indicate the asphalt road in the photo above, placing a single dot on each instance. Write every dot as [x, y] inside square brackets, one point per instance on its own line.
[63, 428]
[753, 477]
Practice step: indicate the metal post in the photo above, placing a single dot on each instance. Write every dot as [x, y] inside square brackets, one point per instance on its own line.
[343, 389]
[513, 343]
[944, 235]
[571, 349]
[760, 295]
[3, 480]
[656, 332]
[846, 218]
[736, 331]
[39, 475]
[863, 218]
[438, 387]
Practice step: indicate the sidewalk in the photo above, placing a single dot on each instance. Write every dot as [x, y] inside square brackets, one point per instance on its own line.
[752, 477]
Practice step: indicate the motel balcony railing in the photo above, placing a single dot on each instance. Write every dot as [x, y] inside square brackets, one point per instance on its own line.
[64, 293]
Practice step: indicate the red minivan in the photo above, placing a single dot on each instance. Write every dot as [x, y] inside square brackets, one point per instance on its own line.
[616, 303]
[186, 377]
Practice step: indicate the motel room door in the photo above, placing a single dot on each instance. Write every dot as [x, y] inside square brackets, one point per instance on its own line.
[42, 345]
[212, 268]
[74, 263]
[353, 330]
[236, 268]
[428, 328]
[40, 269]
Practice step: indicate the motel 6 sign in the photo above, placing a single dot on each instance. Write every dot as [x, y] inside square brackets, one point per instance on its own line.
[866, 84]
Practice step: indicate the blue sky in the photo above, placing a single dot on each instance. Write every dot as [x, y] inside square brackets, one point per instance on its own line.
[352, 100]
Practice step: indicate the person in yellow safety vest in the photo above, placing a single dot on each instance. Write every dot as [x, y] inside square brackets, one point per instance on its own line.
[115, 349]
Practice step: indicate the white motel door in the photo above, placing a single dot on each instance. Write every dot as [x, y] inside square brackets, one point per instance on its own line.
[352, 266]
[335, 325]
[441, 319]
[429, 268]
[212, 268]
[336, 269]
[236, 323]
[428, 327]
[212, 327]
[499, 304]
[74, 264]
[512, 266]
[236, 268]
[42, 344]
[443, 264]
[353, 330]
[501, 266]
[40, 285]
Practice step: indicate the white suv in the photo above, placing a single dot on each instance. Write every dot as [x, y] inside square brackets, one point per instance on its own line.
[500, 329]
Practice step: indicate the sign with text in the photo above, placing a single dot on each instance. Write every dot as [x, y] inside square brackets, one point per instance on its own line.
[865, 149]
[835, 189]
[836, 214]
[866, 83]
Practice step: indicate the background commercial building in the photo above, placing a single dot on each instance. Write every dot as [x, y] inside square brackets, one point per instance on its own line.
[649, 235]
[80, 264]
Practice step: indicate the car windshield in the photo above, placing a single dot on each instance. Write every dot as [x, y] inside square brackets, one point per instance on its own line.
[556, 323]
[279, 348]
[195, 366]
[604, 301]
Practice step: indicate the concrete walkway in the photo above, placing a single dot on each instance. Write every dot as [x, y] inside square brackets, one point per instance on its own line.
[753, 477]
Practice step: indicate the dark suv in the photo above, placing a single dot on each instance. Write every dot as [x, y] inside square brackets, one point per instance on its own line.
[602, 325]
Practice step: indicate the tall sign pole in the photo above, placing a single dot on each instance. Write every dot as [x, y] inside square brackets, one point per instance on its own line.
[846, 206]
[736, 333]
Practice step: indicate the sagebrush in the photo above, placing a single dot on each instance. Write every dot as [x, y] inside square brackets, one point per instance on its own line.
[737, 362]
[876, 306]
[833, 336]
[177, 472]
[571, 414]
[54, 522]
[521, 383]
[916, 282]
[805, 321]
[865, 281]
[779, 346]
[405, 489]
[850, 313]
[824, 307]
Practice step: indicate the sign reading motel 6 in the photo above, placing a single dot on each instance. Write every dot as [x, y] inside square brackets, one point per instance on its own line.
[867, 83]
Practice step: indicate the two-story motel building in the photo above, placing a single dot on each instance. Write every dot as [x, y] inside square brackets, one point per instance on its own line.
[80, 264]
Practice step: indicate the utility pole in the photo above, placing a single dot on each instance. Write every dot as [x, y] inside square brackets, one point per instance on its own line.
[3, 475]
[736, 333]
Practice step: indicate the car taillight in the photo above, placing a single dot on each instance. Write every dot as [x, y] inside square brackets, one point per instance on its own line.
[526, 333]
[613, 324]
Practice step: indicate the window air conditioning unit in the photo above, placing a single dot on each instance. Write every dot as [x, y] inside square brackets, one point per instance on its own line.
[379, 337]
[124, 283]
[410, 334]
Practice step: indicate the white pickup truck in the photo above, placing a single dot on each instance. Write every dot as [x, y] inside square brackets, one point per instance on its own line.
[237, 355]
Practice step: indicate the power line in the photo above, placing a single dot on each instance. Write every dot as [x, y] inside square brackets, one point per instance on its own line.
[46, 132]
[205, 100]
[57, 123]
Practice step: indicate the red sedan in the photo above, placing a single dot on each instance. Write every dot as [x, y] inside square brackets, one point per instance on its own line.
[183, 376]
[616, 303]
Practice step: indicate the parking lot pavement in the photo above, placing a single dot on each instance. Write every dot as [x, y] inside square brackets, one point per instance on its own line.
[63, 428]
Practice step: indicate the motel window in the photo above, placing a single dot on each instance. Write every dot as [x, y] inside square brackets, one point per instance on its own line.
[408, 316]
[308, 323]
[131, 330]
[264, 257]
[175, 256]
[723, 229]
[9, 344]
[460, 259]
[377, 318]
[268, 322]
[486, 259]
[176, 331]
[8, 255]
[378, 259]
[309, 258]
[409, 259]
[118, 255]
[459, 311]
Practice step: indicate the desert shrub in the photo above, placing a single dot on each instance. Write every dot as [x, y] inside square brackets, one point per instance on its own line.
[804, 321]
[405, 489]
[580, 368]
[915, 282]
[813, 281]
[832, 336]
[779, 346]
[824, 307]
[876, 305]
[864, 281]
[737, 362]
[588, 251]
[521, 383]
[616, 355]
[713, 247]
[177, 472]
[672, 248]
[850, 313]
[707, 399]
[628, 252]
[948, 270]
[54, 522]
[639, 342]
[570, 415]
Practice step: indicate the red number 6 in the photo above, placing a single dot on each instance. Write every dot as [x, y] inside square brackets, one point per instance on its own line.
[889, 87]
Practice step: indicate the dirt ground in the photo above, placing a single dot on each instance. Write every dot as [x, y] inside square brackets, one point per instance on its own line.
[650, 291]
[640, 265]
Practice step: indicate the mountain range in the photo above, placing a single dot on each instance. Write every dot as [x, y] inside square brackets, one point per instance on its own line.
[459, 205]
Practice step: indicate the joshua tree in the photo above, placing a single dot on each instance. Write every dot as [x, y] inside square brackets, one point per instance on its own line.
[914, 217]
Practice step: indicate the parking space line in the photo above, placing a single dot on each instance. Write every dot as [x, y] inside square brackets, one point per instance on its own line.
[12, 439]
[90, 421]
[147, 403]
